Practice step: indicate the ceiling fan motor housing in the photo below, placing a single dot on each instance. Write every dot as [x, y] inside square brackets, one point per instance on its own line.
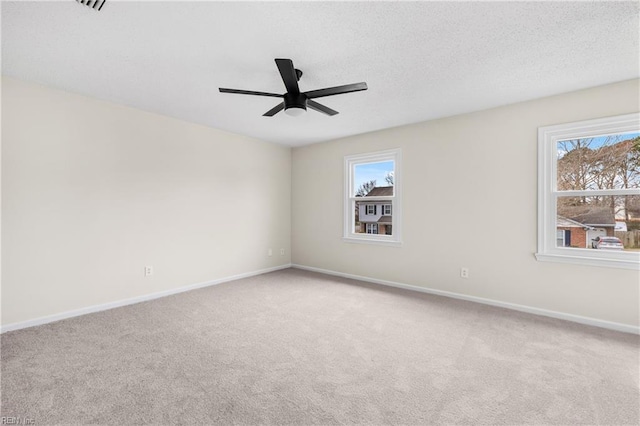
[295, 100]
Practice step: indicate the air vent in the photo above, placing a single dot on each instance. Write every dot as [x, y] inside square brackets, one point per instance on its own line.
[95, 4]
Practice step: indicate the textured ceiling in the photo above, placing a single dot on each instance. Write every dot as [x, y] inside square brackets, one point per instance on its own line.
[421, 60]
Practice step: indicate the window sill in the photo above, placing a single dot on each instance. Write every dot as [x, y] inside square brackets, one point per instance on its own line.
[374, 241]
[579, 259]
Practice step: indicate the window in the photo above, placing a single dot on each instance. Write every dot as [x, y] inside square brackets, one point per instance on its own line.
[563, 238]
[372, 193]
[589, 187]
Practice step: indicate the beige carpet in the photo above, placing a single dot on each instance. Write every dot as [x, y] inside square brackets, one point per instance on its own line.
[295, 347]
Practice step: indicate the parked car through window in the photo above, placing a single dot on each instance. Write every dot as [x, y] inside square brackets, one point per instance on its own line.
[607, 243]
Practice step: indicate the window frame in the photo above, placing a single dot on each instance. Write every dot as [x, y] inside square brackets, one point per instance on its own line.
[350, 162]
[548, 194]
[384, 209]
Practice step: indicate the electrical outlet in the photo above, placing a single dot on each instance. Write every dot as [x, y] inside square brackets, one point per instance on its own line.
[281, 252]
[148, 270]
[464, 272]
[269, 252]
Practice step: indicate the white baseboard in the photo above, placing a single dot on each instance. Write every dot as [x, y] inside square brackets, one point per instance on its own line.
[133, 300]
[522, 308]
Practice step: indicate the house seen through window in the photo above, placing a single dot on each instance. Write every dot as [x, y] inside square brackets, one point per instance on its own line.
[372, 197]
[593, 166]
[589, 192]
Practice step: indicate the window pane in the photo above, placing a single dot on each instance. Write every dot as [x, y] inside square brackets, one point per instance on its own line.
[604, 162]
[373, 179]
[604, 222]
[371, 218]
[373, 187]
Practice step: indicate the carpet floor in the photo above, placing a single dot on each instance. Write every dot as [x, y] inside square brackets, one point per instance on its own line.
[300, 348]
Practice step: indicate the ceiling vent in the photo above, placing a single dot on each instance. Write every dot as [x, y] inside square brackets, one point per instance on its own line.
[94, 4]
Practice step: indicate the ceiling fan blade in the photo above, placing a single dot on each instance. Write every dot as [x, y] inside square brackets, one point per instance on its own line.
[273, 111]
[330, 91]
[289, 76]
[320, 108]
[249, 92]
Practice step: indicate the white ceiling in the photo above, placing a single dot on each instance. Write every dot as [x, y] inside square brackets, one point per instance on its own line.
[421, 60]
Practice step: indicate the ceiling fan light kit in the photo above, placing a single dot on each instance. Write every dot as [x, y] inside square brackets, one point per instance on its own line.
[294, 102]
[295, 105]
[295, 111]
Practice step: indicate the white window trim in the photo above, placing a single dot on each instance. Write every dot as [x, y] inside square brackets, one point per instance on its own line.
[373, 209]
[350, 162]
[384, 209]
[548, 193]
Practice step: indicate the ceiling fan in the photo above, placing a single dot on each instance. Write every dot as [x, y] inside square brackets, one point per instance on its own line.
[295, 102]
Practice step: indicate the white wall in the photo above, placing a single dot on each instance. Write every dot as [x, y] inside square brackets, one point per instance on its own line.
[92, 192]
[470, 190]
